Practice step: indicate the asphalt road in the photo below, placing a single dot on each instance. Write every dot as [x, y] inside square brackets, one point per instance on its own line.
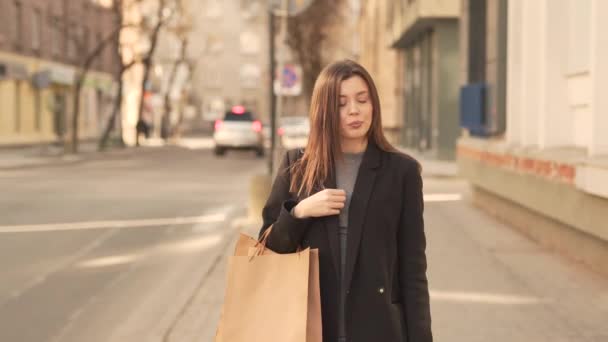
[112, 249]
[134, 247]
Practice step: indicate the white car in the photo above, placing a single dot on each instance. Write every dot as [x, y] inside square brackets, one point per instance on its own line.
[239, 130]
[294, 131]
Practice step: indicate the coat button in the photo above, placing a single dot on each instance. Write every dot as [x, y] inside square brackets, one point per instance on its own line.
[381, 290]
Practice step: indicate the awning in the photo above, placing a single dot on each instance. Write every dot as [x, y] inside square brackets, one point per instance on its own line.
[13, 71]
[55, 75]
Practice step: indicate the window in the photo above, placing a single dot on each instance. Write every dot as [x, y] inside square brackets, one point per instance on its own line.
[214, 44]
[86, 46]
[72, 38]
[250, 9]
[477, 41]
[230, 116]
[55, 36]
[18, 28]
[250, 43]
[250, 76]
[36, 29]
[99, 60]
[214, 9]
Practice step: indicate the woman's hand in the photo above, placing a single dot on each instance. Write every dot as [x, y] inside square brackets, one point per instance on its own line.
[324, 203]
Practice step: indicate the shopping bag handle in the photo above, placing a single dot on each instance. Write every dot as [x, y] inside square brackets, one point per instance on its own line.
[261, 244]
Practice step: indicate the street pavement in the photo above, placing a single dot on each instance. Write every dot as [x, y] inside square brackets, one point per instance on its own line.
[156, 281]
[113, 248]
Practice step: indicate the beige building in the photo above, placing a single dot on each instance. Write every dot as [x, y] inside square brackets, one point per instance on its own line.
[384, 63]
[538, 156]
[37, 69]
[426, 33]
[233, 65]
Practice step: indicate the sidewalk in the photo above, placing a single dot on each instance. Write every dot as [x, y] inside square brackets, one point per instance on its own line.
[49, 154]
[487, 283]
[432, 167]
[200, 318]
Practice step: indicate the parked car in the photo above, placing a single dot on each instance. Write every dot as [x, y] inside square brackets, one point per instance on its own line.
[294, 131]
[239, 130]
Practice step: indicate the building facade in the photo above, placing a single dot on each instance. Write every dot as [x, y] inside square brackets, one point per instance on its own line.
[426, 33]
[41, 42]
[384, 63]
[234, 60]
[536, 150]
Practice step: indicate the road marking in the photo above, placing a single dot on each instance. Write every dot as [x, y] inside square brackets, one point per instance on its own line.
[484, 298]
[442, 197]
[196, 143]
[109, 261]
[47, 227]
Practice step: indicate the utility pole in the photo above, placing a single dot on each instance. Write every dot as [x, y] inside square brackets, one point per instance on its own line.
[287, 8]
[272, 66]
[276, 101]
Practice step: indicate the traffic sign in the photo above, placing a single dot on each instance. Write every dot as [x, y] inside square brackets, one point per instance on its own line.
[290, 83]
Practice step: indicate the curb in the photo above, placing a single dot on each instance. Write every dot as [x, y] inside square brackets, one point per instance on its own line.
[185, 326]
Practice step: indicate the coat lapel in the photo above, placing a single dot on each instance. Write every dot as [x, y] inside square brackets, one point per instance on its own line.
[331, 226]
[362, 192]
[357, 211]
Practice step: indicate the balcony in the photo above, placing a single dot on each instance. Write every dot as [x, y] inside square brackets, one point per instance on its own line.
[409, 18]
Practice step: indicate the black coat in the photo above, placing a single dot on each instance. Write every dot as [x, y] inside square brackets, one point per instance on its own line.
[387, 290]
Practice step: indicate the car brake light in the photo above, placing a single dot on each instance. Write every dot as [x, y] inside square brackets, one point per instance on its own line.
[281, 131]
[238, 110]
[257, 126]
[218, 124]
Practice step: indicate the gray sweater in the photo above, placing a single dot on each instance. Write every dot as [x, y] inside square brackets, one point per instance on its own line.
[346, 176]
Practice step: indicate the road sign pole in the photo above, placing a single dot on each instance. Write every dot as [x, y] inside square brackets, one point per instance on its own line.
[288, 7]
[272, 66]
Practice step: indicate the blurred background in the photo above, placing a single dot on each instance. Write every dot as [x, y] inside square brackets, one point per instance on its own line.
[139, 137]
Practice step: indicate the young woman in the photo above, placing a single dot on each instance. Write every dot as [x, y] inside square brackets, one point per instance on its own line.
[350, 194]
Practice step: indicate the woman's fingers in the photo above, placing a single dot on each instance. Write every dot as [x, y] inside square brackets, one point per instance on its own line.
[336, 205]
[338, 198]
[337, 192]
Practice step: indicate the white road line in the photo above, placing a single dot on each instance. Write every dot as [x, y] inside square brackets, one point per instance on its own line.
[214, 218]
[484, 298]
[442, 197]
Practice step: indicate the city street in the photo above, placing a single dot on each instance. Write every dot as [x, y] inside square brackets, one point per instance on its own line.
[133, 247]
[111, 250]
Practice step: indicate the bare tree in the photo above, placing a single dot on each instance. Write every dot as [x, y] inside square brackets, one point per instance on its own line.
[191, 65]
[308, 35]
[163, 14]
[84, 63]
[181, 29]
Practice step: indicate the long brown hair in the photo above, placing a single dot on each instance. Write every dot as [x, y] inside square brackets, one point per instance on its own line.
[311, 171]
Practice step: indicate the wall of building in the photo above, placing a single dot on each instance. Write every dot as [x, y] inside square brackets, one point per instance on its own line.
[384, 64]
[552, 161]
[36, 36]
[241, 41]
[551, 75]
